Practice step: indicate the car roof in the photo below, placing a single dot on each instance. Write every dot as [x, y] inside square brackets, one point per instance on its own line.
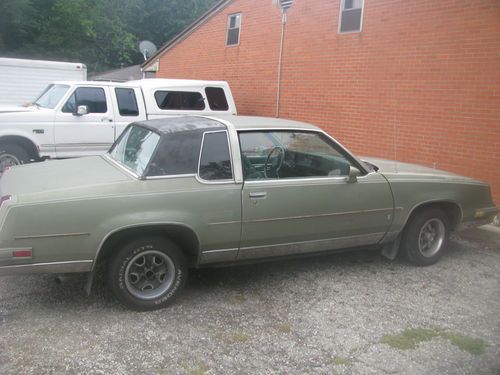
[209, 123]
[153, 83]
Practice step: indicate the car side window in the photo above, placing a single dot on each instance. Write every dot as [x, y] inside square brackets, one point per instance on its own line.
[290, 154]
[92, 97]
[178, 153]
[215, 159]
[179, 100]
[216, 98]
[127, 102]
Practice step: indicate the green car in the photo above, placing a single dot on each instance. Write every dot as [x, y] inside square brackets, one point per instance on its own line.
[197, 191]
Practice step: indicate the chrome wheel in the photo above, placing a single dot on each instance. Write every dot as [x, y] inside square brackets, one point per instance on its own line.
[431, 237]
[149, 274]
[8, 160]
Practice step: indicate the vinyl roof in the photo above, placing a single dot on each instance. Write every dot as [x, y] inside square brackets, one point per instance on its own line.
[209, 123]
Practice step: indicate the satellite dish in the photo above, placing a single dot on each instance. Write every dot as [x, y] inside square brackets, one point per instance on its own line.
[147, 49]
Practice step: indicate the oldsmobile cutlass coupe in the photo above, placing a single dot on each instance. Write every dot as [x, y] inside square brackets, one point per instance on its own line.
[200, 191]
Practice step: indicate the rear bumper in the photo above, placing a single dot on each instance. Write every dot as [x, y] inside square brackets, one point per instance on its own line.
[482, 216]
[55, 267]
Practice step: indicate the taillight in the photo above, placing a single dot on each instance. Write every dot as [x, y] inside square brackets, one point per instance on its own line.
[5, 198]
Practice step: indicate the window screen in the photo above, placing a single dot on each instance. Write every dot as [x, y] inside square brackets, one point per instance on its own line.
[215, 161]
[351, 13]
[180, 100]
[216, 99]
[93, 97]
[233, 29]
[127, 103]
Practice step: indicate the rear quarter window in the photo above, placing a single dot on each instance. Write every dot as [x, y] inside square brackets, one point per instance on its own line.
[127, 102]
[216, 98]
[215, 160]
[177, 153]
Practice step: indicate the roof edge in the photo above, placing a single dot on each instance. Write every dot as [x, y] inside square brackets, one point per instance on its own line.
[186, 32]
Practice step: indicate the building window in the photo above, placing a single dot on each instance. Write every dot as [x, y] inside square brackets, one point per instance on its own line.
[351, 16]
[233, 29]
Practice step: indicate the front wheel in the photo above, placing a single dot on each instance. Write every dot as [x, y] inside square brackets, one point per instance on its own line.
[148, 273]
[426, 237]
[11, 155]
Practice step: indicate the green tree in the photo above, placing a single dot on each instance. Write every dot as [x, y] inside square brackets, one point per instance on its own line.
[99, 33]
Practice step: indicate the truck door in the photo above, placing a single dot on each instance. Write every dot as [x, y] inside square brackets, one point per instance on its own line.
[128, 106]
[82, 134]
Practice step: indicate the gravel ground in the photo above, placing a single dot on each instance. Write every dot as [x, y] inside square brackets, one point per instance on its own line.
[350, 313]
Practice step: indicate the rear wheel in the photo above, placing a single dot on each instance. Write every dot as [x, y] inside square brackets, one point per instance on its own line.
[148, 273]
[426, 236]
[11, 155]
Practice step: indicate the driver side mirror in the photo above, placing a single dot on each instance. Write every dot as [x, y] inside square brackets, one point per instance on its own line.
[81, 110]
[353, 174]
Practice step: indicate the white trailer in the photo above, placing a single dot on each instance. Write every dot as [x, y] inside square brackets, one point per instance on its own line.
[23, 80]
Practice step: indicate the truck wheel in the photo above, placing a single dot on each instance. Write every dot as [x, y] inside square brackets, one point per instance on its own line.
[426, 237]
[11, 155]
[148, 274]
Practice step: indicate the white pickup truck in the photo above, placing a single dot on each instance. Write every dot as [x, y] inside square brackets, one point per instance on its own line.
[72, 119]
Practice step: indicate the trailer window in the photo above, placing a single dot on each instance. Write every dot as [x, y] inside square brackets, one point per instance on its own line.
[216, 98]
[179, 100]
[127, 103]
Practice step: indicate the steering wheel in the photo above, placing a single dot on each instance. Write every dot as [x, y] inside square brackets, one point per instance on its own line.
[274, 166]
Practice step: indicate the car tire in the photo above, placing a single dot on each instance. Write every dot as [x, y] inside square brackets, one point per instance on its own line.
[426, 237]
[148, 273]
[11, 155]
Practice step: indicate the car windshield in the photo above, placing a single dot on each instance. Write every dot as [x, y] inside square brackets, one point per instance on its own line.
[135, 148]
[51, 96]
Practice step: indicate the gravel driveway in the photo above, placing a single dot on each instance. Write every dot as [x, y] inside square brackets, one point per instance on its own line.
[350, 313]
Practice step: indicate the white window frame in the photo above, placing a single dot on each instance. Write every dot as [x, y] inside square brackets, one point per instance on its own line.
[228, 28]
[342, 4]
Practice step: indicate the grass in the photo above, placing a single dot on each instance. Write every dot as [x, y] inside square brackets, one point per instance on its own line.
[410, 338]
[341, 361]
[199, 369]
[283, 328]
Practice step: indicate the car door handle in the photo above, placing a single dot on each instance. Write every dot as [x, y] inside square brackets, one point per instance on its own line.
[260, 194]
[106, 119]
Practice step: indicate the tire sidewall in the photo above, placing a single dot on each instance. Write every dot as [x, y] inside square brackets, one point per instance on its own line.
[118, 273]
[18, 152]
[412, 233]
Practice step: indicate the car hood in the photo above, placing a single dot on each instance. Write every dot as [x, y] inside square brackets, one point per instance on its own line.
[61, 177]
[16, 108]
[397, 169]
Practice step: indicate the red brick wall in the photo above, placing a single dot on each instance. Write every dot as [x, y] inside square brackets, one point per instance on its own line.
[421, 83]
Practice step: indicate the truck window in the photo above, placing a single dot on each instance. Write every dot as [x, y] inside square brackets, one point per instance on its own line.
[127, 103]
[180, 100]
[215, 161]
[93, 97]
[216, 98]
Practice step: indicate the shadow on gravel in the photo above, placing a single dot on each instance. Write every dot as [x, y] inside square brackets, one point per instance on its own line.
[47, 294]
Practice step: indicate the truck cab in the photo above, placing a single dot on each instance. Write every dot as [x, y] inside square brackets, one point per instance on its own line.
[73, 119]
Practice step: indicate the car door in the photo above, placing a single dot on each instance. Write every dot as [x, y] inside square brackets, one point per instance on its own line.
[84, 134]
[297, 197]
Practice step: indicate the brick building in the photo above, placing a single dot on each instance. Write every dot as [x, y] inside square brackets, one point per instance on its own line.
[418, 81]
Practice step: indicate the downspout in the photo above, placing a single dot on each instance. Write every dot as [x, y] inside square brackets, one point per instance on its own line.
[280, 61]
